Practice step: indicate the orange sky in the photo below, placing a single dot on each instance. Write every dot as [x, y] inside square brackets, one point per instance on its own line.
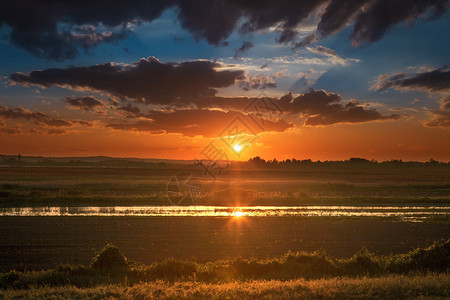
[405, 140]
[329, 83]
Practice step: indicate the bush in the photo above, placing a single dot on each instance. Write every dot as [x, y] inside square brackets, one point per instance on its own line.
[110, 259]
[172, 269]
[109, 266]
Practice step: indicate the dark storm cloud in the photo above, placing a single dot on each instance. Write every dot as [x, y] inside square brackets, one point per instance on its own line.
[59, 29]
[322, 108]
[193, 122]
[337, 14]
[435, 81]
[148, 80]
[285, 14]
[83, 103]
[379, 16]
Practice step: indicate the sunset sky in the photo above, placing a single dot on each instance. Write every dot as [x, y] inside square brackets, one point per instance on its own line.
[326, 80]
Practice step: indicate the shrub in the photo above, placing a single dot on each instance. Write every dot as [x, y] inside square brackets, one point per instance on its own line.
[110, 259]
[172, 269]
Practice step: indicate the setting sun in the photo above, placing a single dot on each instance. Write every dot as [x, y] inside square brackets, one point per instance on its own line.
[237, 148]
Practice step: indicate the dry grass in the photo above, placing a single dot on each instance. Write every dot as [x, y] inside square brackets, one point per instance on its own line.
[429, 286]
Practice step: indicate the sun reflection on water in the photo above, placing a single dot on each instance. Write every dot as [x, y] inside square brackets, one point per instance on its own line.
[238, 214]
[406, 212]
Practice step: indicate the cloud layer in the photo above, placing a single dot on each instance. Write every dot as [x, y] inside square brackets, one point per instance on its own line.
[84, 103]
[441, 117]
[148, 80]
[321, 108]
[433, 81]
[41, 123]
[196, 122]
[59, 30]
[186, 91]
[38, 118]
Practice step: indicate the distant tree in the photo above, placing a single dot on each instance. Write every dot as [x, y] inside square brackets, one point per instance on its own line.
[258, 161]
[357, 160]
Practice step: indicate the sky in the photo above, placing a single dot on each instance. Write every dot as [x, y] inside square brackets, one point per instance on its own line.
[210, 79]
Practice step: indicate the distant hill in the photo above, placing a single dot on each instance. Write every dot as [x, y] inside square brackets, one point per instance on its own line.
[35, 159]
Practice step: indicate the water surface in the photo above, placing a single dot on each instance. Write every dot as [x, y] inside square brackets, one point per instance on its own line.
[416, 213]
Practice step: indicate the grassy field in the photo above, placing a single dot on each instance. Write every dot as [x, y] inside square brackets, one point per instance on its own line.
[421, 273]
[109, 186]
[429, 286]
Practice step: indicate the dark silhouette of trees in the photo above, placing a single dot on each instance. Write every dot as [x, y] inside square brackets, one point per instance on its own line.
[356, 162]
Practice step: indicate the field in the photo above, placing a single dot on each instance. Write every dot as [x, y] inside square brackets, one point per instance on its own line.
[42, 242]
[389, 287]
[200, 243]
[322, 184]
[421, 273]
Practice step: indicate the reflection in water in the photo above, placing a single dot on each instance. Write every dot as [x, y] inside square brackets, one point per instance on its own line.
[404, 212]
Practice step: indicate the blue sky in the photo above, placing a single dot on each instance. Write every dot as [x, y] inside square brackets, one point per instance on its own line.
[404, 46]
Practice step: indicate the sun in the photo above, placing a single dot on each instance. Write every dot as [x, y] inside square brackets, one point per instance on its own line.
[237, 148]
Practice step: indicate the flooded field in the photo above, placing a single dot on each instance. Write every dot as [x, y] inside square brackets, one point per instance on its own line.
[405, 213]
[59, 215]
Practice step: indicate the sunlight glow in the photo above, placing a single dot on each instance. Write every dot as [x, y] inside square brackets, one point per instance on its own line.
[237, 148]
[238, 214]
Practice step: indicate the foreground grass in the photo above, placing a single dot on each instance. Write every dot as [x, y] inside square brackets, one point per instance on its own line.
[109, 266]
[424, 286]
[419, 274]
